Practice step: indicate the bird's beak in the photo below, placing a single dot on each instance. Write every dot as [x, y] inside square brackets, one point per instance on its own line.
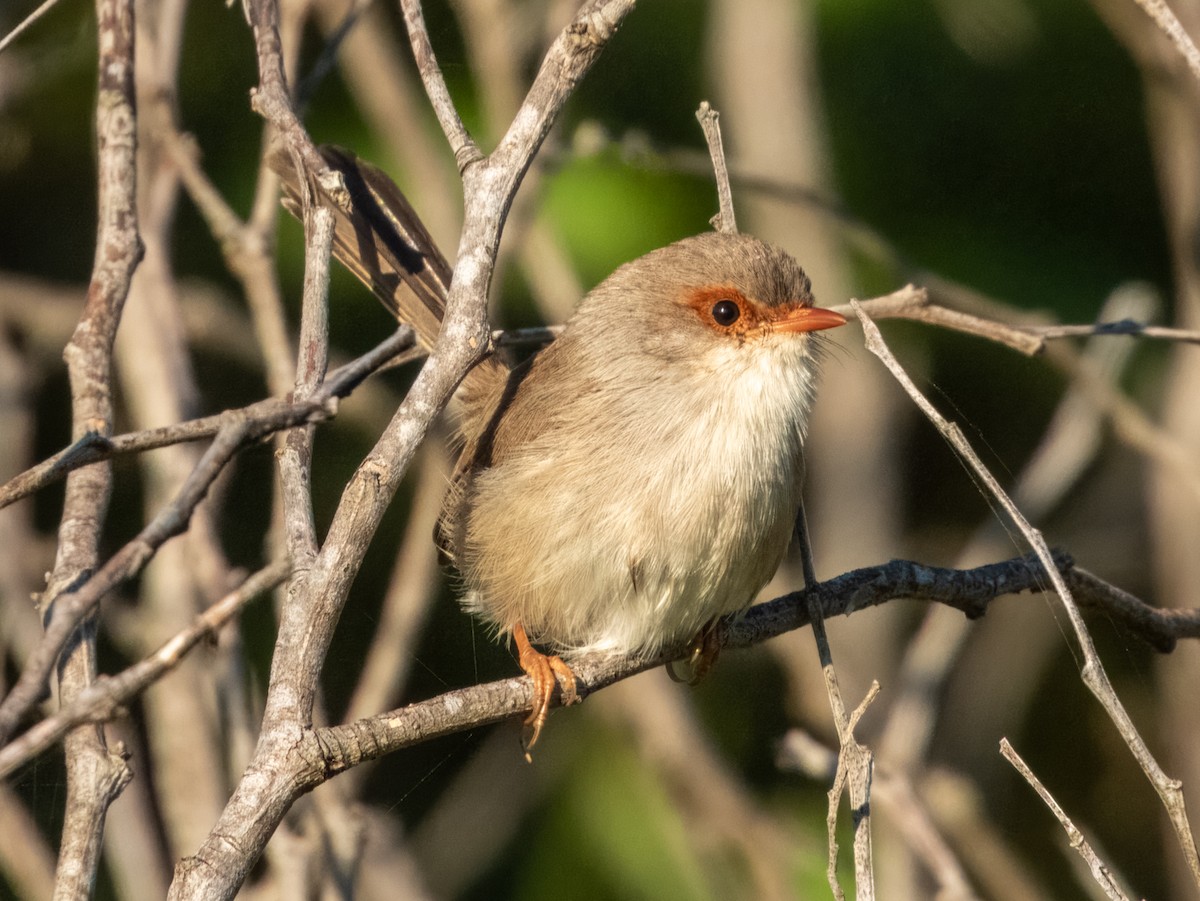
[807, 319]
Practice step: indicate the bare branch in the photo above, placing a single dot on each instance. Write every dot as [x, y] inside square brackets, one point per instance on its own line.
[969, 590]
[1100, 871]
[461, 143]
[95, 777]
[22, 26]
[895, 797]
[854, 762]
[1170, 25]
[266, 416]
[709, 118]
[1119, 327]
[104, 698]
[1170, 791]
[911, 302]
[295, 457]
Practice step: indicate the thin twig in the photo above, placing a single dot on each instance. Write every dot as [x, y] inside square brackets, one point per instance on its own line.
[1100, 871]
[900, 803]
[709, 118]
[465, 150]
[95, 775]
[103, 699]
[854, 761]
[1170, 25]
[295, 456]
[1170, 790]
[913, 303]
[24, 24]
[1119, 327]
[271, 415]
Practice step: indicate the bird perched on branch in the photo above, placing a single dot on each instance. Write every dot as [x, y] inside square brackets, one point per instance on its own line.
[637, 479]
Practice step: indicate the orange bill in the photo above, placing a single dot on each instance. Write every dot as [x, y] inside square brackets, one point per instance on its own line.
[807, 319]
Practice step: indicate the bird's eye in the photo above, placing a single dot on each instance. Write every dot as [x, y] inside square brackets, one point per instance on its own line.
[725, 312]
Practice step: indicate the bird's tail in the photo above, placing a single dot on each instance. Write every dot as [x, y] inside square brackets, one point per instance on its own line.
[379, 238]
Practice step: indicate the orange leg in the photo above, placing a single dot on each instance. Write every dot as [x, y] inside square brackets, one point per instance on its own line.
[543, 670]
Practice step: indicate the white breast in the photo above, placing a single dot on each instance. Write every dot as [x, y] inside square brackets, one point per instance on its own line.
[647, 525]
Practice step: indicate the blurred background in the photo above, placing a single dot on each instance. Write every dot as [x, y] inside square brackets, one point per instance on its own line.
[1029, 160]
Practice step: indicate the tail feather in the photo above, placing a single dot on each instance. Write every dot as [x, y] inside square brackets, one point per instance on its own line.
[380, 239]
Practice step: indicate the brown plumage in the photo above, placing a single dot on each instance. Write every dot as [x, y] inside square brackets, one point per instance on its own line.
[639, 477]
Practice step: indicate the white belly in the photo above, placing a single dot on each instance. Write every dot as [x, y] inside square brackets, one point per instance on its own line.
[643, 533]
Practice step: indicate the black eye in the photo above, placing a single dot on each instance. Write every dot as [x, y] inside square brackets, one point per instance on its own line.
[725, 312]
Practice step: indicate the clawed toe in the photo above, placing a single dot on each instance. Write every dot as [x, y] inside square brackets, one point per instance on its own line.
[545, 671]
[702, 655]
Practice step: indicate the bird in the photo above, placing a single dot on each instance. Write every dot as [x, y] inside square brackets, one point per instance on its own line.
[636, 480]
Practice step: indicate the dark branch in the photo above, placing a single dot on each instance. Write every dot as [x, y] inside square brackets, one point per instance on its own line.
[331, 750]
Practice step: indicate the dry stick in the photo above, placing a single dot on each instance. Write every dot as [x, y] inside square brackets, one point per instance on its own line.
[461, 143]
[724, 221]
[854, 762]
[295, 457]
[273, 414]
[292, 864]
[246, 246]
[1093, 674]
[341, 747]
[264, 796]
[1115, 327]
[1070, 443]
[1160, 627]
[1167, 22]
[1131, 425]
[1100, 871]
[103, 699]
[95, 776]
[898, 800]
[911, 302]
[239, 427]
[25, 24]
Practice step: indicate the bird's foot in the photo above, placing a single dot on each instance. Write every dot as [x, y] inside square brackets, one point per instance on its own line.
[545, 670]
[702, 654]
